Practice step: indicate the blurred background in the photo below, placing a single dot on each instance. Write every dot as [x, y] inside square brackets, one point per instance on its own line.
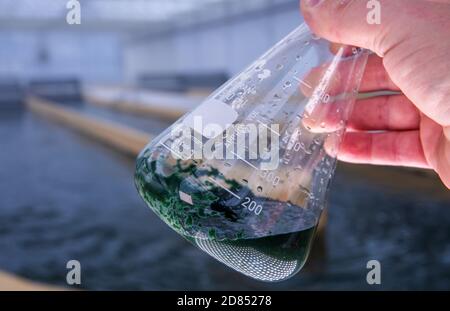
[78, 101]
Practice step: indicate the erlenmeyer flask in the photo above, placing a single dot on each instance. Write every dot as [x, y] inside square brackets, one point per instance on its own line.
[245, 175]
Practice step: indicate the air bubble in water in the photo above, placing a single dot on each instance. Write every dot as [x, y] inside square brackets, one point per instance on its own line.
[264, 74]
[287, 84]
[259, 65]
[259, 189]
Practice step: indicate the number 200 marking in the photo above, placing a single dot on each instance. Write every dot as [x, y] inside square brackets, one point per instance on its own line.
[252, 206]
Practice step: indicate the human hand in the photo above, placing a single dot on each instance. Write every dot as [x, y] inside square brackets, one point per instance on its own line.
[412, 46]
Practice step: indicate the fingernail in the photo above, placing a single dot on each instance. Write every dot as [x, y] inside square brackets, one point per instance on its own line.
[311, 3]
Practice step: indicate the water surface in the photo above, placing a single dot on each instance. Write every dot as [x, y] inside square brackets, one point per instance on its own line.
[63, 196]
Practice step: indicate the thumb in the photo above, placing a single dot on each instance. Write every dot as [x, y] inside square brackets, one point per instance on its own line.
[352, 22]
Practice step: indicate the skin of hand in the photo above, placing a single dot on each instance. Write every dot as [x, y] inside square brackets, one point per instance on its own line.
[411, 49]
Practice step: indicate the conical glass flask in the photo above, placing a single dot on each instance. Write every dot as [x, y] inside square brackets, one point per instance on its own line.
[245, 175]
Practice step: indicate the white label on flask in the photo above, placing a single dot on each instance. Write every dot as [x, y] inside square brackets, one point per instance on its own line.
[214, 114]
[186, 197]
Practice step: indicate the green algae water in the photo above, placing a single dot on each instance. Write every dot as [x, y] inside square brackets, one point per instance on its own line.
[210, 211]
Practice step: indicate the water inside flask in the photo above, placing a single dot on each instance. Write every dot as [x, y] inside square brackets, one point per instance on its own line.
[245, 175]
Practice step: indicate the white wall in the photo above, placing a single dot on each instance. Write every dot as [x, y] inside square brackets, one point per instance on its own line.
[220, 46]
[228, 46]
[84, 55]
